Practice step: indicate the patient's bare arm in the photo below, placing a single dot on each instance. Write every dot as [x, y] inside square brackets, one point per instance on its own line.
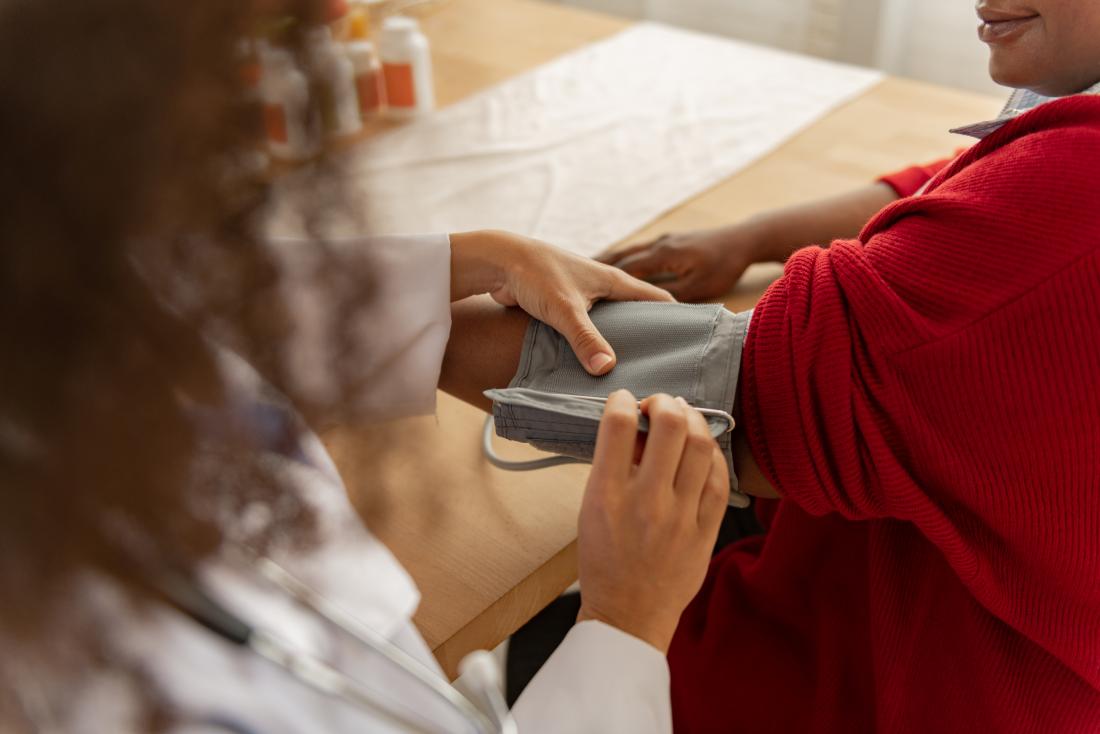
[484, 349]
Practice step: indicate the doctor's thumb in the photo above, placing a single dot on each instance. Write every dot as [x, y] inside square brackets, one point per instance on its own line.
[592, 350]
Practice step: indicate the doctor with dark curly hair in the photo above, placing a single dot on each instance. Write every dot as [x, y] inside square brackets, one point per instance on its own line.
[178, 553]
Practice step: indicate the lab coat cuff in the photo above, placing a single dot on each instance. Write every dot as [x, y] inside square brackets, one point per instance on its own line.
[570, 692]
[649, 662]
[405, 338]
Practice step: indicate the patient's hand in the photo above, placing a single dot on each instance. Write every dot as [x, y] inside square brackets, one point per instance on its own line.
[551, 284]
[648, 526]
[693, 266]
[696, 266]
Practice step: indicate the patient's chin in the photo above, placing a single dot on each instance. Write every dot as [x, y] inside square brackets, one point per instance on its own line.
[1022, 71]
[1048, 84]
[1009, 74]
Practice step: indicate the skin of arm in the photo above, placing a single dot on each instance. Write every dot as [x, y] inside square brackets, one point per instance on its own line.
[782, 231]
[484, 351]
[703, 265]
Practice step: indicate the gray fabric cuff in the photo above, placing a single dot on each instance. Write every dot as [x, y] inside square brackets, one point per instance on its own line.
[686, 350]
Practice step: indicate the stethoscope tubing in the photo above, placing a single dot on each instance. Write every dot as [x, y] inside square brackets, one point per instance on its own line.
[317, 674]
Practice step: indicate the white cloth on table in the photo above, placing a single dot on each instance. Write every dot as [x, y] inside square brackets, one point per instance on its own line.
[586, 149]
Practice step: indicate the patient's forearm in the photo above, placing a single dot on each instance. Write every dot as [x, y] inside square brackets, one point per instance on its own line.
[782, 231]
[484, 348]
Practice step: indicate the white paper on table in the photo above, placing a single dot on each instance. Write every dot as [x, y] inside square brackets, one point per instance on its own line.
[588, 148]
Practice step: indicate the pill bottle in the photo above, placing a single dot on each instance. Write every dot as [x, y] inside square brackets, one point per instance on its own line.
[368, 70]
[335, 83]
[284, 94]
[406, 67]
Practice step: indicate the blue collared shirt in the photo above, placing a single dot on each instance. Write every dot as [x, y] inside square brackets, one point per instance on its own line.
[1021, 101]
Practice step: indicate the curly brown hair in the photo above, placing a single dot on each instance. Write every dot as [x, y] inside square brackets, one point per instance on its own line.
[130, 220]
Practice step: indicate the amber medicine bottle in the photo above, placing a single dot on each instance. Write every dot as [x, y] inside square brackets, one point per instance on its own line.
[406, 67]
[368, 70]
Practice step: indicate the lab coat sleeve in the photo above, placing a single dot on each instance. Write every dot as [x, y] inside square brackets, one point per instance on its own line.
[380, 359]
[600, 680]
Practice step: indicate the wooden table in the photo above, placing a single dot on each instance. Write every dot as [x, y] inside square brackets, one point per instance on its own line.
[489, 549]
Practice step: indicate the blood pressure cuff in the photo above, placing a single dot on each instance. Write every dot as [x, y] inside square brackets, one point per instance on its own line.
[685, 350]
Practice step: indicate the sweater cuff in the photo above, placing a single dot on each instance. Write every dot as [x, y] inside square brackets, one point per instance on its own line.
[907, 182]
[910, 181]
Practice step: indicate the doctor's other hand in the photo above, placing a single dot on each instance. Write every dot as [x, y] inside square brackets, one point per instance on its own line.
[647, 526]
[693, 266]
[551, 284]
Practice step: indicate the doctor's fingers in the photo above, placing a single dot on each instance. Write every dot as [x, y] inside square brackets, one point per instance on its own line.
[626, 287]
[591, 349]
[659, 262]
[664, 446]
[695, 462]
[614, 255]
[689, 286]
[683, 281]
[613, 459]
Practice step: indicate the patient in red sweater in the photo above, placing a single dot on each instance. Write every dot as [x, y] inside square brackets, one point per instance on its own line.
[925, 399]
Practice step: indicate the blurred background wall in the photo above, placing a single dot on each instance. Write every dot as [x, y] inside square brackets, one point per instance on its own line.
[930, 40]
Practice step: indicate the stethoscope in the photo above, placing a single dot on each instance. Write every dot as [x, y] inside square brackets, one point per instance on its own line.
[484, 710]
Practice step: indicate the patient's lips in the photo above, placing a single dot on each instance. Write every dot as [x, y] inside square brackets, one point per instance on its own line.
[1004, 25]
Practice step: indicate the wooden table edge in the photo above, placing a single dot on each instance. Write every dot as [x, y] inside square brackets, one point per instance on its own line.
[511, 610]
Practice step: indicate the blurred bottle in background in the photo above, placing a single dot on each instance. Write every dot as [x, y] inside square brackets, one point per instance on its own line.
[406, 67]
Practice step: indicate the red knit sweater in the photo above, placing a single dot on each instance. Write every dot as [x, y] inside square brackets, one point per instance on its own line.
[927, 401]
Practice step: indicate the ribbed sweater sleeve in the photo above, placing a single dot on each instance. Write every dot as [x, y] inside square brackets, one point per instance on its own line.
[908, 181]
[934, 372]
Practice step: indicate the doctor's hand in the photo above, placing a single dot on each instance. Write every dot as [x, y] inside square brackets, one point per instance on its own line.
[551, 284]
[647, 527]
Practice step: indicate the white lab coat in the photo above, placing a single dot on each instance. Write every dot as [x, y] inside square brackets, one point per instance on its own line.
[600, 680]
